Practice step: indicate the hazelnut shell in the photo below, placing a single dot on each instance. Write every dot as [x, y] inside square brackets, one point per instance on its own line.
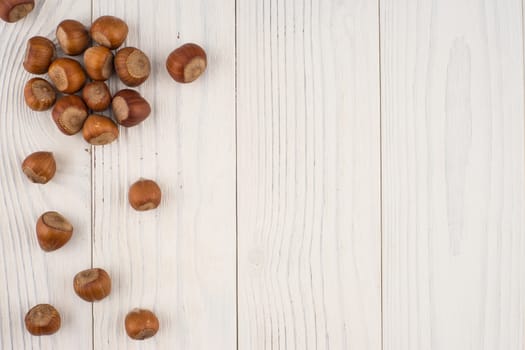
[67, 75]
[72, 37]
[141, 324]
[129, 108]
[92, 284]
[39, 94]
[144, 195]
[132, 66]
[42, 319]
[39, 167]
[14, 10]
[53, 231]
[109, 31]
[99, 130]
[97, 96]
[98, 61]
[186, 63]
[40, 53]
[69, 114]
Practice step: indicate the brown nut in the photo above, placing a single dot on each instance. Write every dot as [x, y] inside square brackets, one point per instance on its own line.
[92, 284]
[109, 31]
[132, 66]
[39, 94]
[69, 114]
[40, 52]
[72, 37]
[141, 324]
[98, 61]
[144, 195]
[39, 167]
[99, 130]
[53, 231]
[186, 63]
[96, 95]
[42, 319]
[129, 108]
[14, 10]
[67, 75]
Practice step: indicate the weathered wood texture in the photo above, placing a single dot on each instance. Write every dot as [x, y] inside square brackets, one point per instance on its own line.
[308, 175]
[179, 260]
[28, 275]
[453, 175]
[346, 175]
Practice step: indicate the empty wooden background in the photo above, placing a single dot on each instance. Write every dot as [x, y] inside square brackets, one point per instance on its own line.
[348, 174]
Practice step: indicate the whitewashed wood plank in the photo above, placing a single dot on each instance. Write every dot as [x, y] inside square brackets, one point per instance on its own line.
[453, 175]
[28, 275]
[308, 175]
[178, 260]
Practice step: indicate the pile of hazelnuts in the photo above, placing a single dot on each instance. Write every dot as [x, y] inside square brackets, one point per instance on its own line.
[83, 92]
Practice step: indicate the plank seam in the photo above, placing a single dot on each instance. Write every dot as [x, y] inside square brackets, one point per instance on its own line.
[93, 164]
[380, 171]
[236, 192]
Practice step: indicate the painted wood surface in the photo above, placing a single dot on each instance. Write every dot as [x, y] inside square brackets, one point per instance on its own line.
[346, 175]
[453, 175]
[308, 175]
[179, 260]
[28, 275]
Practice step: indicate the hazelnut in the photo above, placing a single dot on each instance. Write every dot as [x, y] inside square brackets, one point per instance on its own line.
[92, 284]
[129, 108]
[42, 319]
[144, 195]
[69, 114]
[39, 94]
[186, 63]
[96, 95]
[39, 167]
[72, 37]
[132, 66]
[40, 52]
[14, 10]
[99, 130]
[53, 231]
[109, 31]
[141, 324]
[98, 61]
[67, 75]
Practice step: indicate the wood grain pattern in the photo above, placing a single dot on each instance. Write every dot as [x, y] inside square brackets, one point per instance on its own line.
[178, 260]
[28, 275]
[308, 175]
[453, 175]
[346, 175]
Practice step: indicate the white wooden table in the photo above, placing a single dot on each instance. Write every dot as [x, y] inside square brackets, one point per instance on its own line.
[348, 174]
